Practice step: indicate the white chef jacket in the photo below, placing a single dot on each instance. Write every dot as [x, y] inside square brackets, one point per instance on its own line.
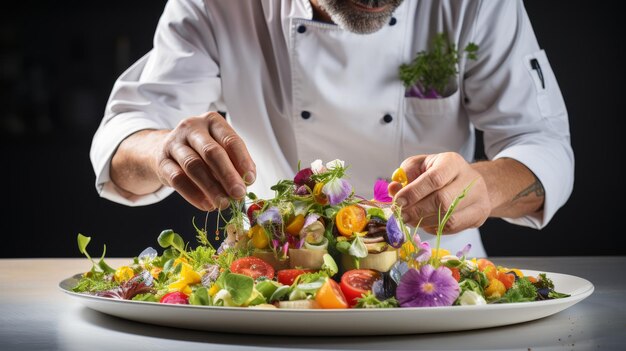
[298, 90]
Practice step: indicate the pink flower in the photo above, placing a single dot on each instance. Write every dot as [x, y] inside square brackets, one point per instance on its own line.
[381, 194]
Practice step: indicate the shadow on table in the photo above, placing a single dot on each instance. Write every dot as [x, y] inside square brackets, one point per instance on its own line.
[88, 327]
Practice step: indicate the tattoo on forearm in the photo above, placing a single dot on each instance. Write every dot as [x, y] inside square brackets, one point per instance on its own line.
[535, 187]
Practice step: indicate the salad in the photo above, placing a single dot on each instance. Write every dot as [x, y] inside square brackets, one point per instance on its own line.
[314, 245]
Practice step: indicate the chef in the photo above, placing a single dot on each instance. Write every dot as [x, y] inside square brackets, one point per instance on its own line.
[234, 94]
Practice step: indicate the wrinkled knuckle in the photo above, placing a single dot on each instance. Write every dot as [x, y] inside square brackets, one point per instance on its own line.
[231, 141]
[211, 150]
[176, 179]
[192, 164]
[437, 178]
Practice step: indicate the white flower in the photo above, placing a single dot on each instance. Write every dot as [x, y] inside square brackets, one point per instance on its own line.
[317, 167]
[470, 297]
[335, 163]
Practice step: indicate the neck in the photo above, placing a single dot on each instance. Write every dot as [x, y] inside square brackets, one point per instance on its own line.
[319, 14]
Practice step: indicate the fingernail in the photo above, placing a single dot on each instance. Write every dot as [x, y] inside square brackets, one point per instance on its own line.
[249, 177]
[208, 206]
[222, 202]
[401, 202]
[238, 191]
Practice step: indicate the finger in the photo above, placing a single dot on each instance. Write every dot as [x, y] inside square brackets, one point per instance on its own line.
[431, 181]
[217, 161]
[197, 171]
[413, 166]
[393, 188]
[235, 147]
[172, 175]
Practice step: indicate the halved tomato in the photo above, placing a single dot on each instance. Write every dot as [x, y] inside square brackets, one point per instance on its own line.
[350, 219]
[357, 282]
[176, 298]
[252, 267]
[288, 276]
[253, 210]
[330, 295]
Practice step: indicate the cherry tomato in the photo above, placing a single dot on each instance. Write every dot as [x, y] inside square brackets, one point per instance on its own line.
[350, 219]
[176, 297]
[252, 211]
[330, 295]
[357, 282]
[483, 263]
[506, 278]
[288, 276]
[252, 267]
[295, 225]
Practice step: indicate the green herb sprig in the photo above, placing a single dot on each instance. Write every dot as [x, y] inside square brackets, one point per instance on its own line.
[433, 70]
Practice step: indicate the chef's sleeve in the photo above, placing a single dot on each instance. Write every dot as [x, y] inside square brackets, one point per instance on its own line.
[178, 78]
[512, 96]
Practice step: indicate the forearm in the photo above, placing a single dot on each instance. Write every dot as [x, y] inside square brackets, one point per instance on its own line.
[132, 166]
[513, 189]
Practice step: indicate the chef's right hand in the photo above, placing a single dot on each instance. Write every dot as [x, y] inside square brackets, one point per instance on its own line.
[205, 161]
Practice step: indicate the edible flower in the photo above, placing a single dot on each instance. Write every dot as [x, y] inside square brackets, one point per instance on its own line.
[427, 287]
[186, 277]
[337, 190]
[381, 194]
[271, 215]
[395, 236]
[317, 167]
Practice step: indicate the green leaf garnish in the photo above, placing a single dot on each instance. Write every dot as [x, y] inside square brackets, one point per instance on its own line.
[435, 69]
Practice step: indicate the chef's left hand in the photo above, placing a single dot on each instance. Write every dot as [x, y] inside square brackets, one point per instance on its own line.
[434, 181]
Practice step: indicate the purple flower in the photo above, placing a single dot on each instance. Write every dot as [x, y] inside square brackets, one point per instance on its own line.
[463, 252]
[417, 90]
[271, 215]
[380, 191]
[395, 236]
[337, 190]
[310, 219]
[423, 252]
[427, 287]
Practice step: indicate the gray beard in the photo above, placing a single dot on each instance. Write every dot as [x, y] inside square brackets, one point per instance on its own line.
[360, 22]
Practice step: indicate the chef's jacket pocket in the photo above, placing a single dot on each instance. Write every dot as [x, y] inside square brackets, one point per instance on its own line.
[446, 106]
[432, 125]
[549, 98]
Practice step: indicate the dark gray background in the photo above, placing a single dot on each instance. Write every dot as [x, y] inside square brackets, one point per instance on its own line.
[59, 60]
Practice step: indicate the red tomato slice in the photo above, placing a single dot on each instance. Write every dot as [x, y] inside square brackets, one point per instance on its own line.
[176, 297]
[350, 219]
[252, 267]
[252, 211]
[288, 276]
[357, 282]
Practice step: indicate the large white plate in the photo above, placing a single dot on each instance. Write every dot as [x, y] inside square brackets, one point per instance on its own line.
[339, 322]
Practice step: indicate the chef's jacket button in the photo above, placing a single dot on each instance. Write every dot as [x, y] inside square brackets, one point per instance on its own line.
[393, 21]
[387, 118]
[305, 114]
[301, 28]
